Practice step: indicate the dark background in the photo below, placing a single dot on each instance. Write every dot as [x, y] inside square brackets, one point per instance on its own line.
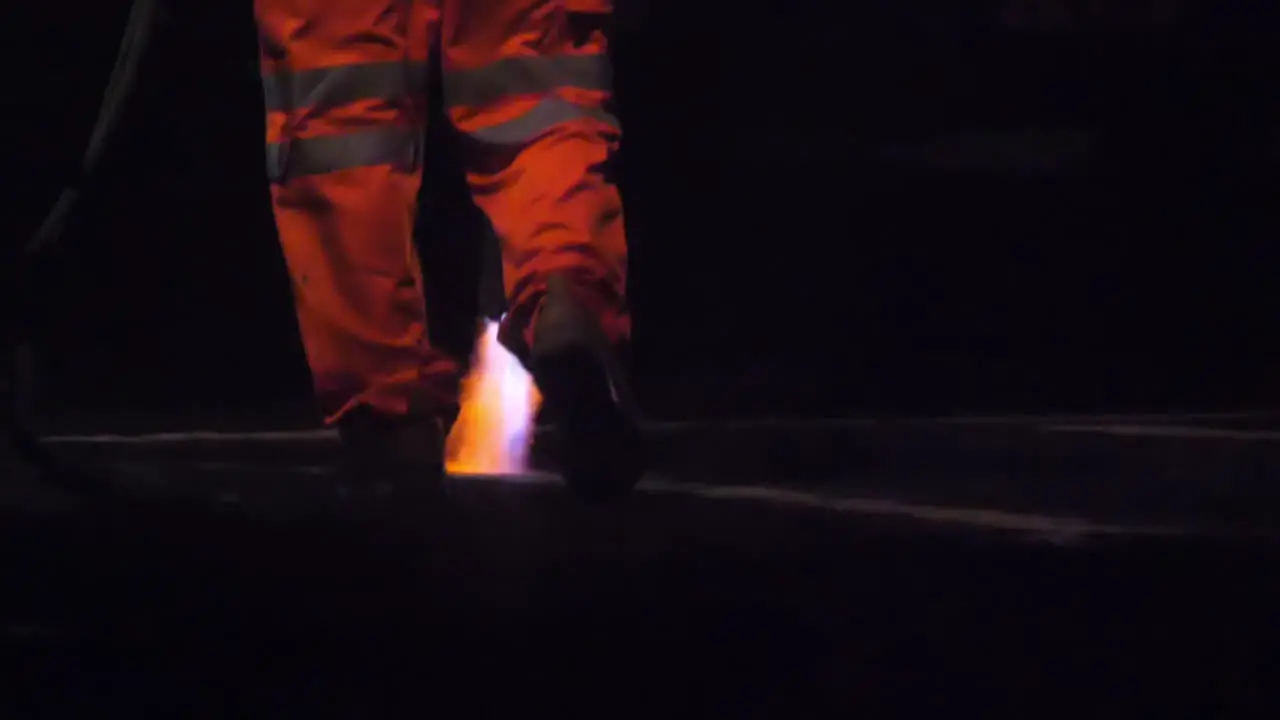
[889, 208]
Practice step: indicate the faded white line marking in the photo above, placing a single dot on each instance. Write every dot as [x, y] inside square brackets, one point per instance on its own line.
[1168, 431]
[327, 470]
[1104, 418]
[1061, 529]
[974, 517]
[1060, 423]
[534, 477]
[315, 470]
[321, 435]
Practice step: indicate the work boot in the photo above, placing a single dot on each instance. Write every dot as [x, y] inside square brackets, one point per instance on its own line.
[393, 455]
[586, 396]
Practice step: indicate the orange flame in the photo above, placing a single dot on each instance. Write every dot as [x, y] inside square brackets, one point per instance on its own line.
[499, 400]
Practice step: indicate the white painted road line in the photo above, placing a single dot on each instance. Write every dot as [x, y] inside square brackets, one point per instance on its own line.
[973, 517]
[976, 517]
[320, 435]
[1181, 426]
[1169, 431]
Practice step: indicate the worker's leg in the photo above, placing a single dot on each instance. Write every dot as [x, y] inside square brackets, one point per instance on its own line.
[344, 83]
[527, 83]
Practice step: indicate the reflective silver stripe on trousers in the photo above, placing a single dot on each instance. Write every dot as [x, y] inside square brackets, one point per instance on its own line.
[523, 76]
[325, 88]
[385, 145]
[517, 76]
[542, 117]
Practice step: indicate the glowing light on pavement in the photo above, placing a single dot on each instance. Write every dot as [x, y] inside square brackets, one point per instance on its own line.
[499, 401]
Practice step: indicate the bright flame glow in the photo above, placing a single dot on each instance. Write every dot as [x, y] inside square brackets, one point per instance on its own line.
[499, 400]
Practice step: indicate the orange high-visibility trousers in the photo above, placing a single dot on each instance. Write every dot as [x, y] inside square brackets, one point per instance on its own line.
[526, 83]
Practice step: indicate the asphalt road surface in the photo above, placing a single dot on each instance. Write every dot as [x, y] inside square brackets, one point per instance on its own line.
[236, 589]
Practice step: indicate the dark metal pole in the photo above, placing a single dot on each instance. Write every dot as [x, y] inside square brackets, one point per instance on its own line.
[33, 278]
